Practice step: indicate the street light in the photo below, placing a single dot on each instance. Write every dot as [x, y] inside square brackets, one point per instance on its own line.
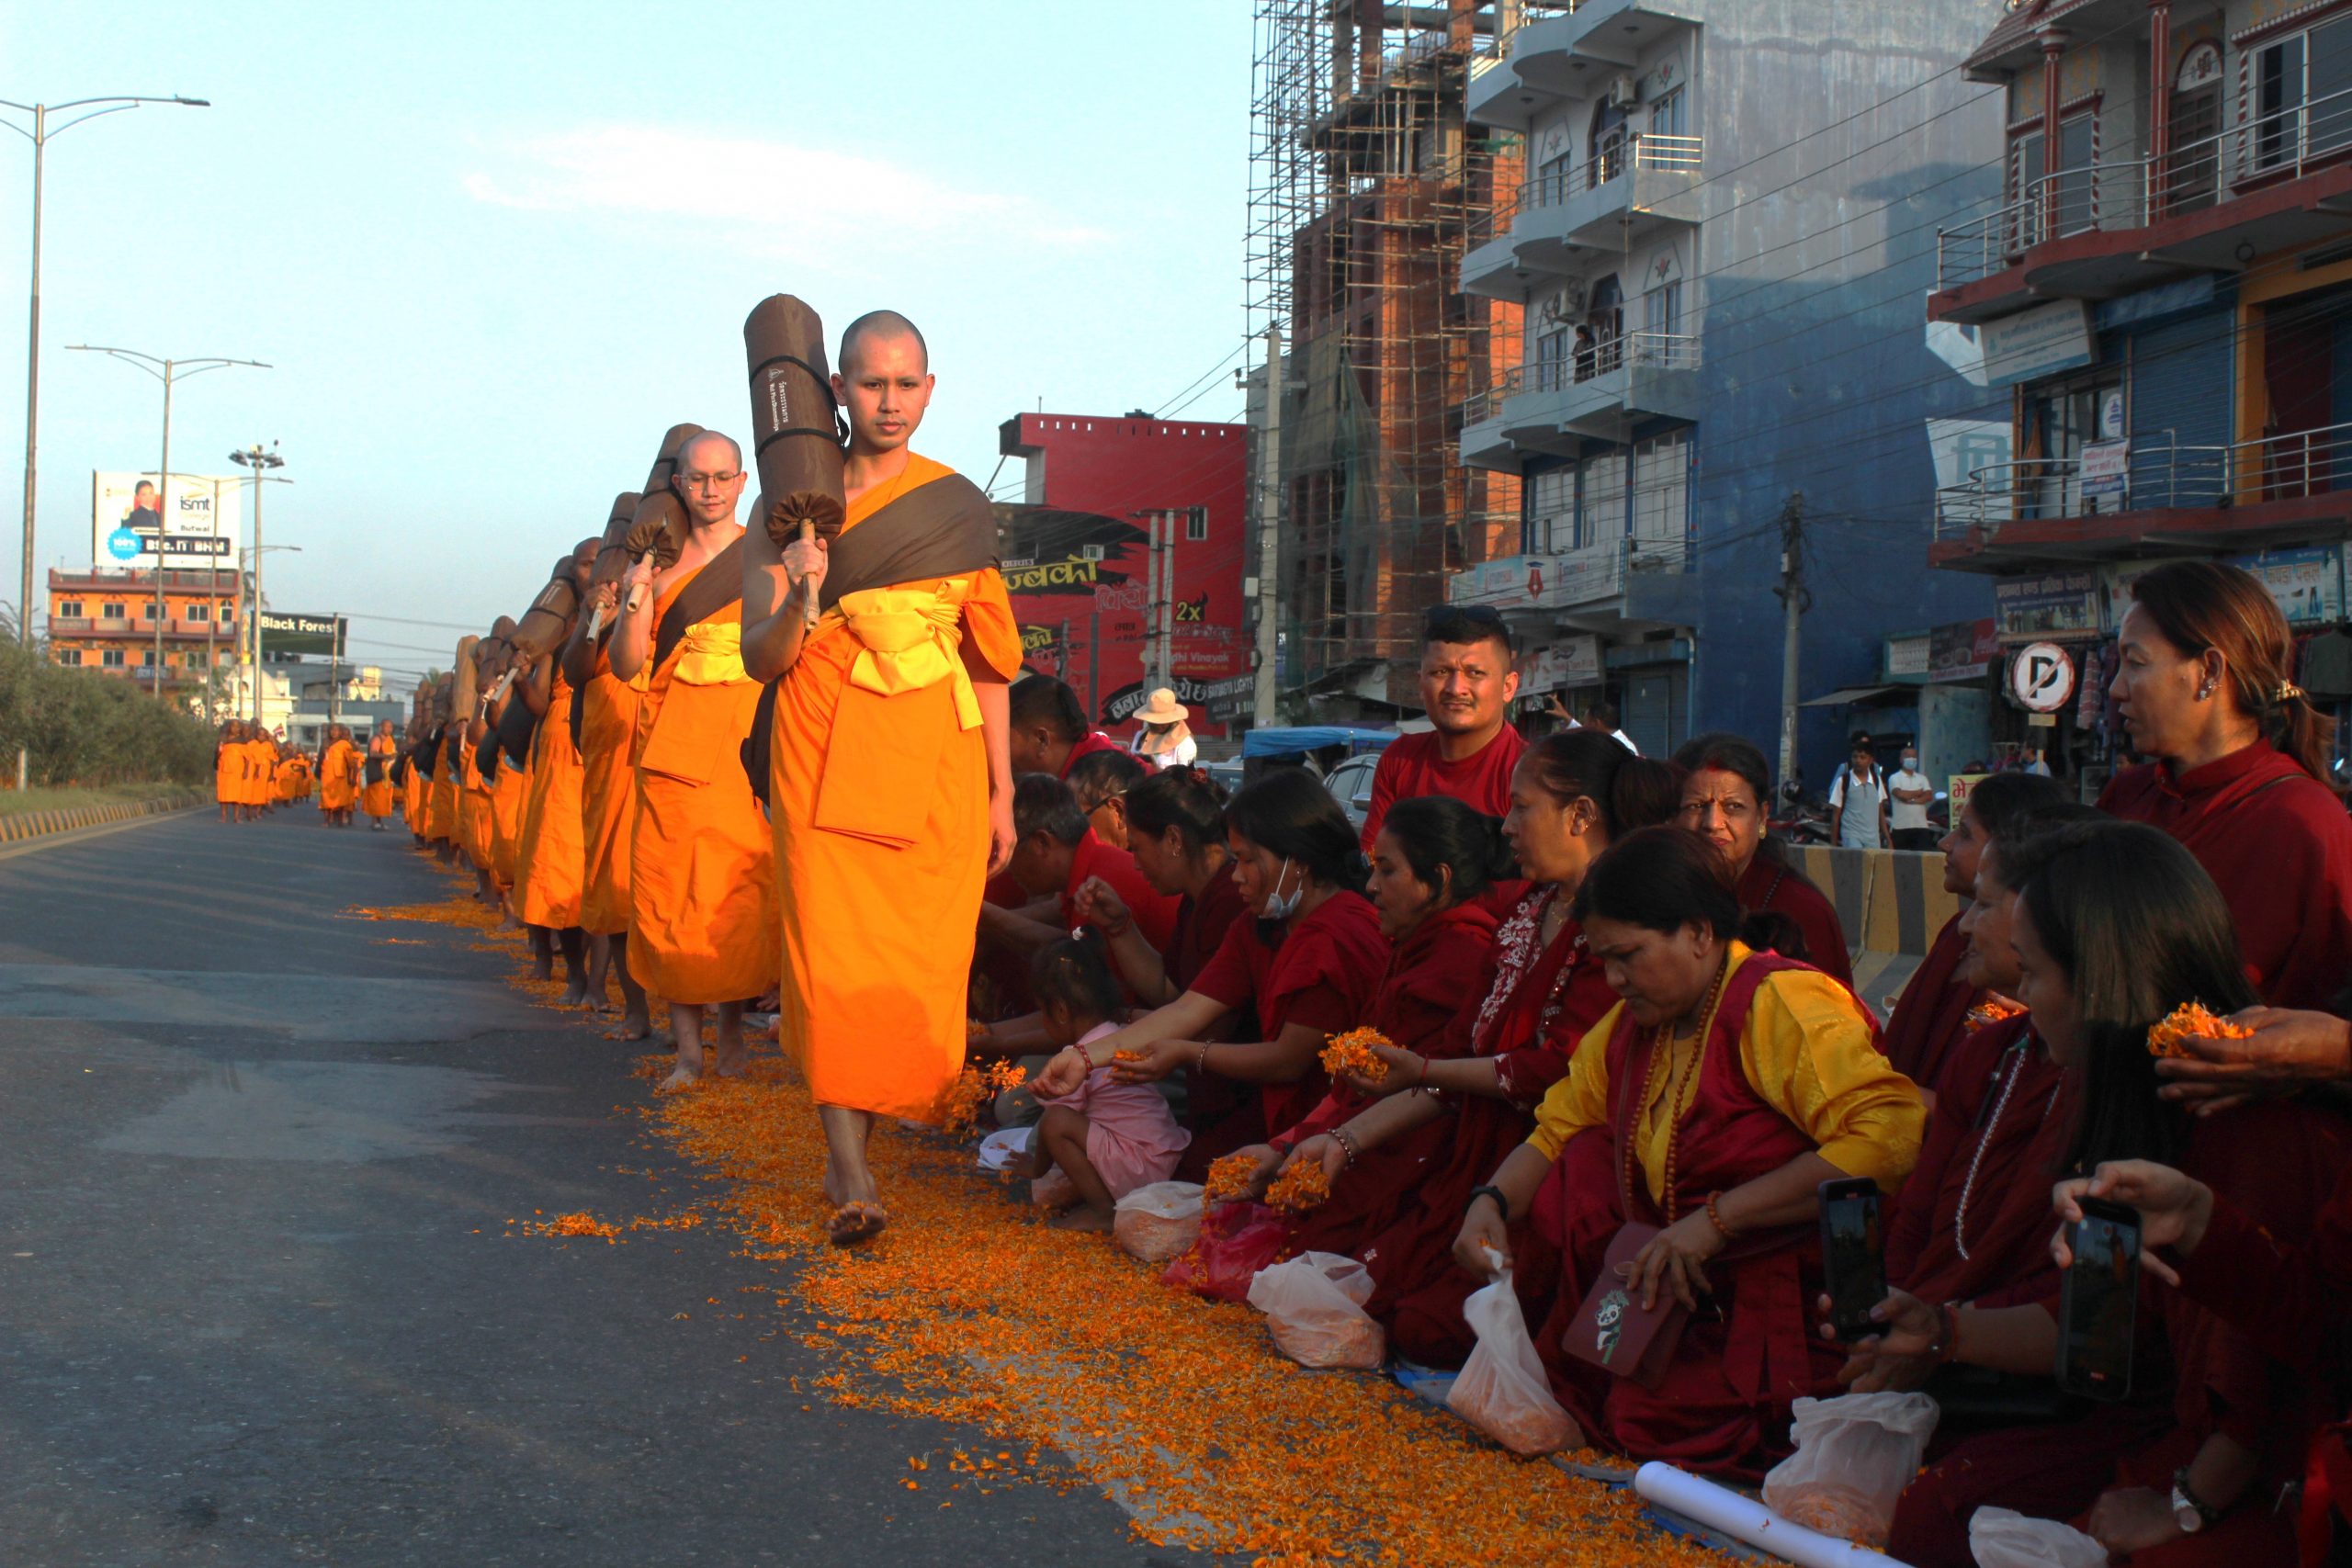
[254, 553]
[39, 136]
[166, 371]
[260, 461]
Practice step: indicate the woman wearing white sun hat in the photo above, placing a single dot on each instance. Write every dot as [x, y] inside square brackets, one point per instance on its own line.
[1164, 742]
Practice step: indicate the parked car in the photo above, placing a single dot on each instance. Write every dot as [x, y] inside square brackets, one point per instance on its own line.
[1344, 756]
[1351, 785]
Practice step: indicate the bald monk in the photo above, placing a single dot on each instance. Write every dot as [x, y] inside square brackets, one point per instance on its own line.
[702, 885]
[607, 732]
[375, 776]
[229, 769]
[336, 791]
[891, 782]
[548, 862]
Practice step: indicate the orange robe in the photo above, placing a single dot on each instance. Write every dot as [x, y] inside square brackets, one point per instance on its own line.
[261, 758]
[508, 795]
[228, 771]
[441, 796]
[335, 777]
[473, 811]
[702, 887]
[548, 868]
[607, 799]
[375, 799]
[879, 922]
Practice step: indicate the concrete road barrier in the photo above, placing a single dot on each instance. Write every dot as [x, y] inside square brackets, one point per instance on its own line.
[21, 825]
[1892, 904]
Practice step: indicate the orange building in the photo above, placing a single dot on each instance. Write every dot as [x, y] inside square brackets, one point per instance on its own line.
[107, 620]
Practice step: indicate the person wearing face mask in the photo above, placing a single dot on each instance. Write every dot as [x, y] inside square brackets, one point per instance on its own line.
[2240, 769]
[1306, 965]
[1931, 1018]
[1909, 794]
[1710, 1103]
[1725, 786]
[2112, 925]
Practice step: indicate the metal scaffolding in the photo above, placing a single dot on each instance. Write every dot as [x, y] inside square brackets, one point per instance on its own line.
[1366, 189]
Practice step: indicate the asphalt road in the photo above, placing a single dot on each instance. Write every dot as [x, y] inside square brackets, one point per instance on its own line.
[257, 1305]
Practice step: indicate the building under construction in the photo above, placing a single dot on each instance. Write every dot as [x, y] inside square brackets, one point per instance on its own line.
[1367, 189]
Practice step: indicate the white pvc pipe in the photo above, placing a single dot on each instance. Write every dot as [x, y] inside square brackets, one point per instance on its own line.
[1745, 1520]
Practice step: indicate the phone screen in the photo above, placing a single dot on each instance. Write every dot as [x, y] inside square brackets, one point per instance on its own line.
[1852, 1257]
[2099, 1301]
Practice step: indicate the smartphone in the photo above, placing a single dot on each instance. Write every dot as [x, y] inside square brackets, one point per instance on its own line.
[1853, 1258]
[2098, 1300]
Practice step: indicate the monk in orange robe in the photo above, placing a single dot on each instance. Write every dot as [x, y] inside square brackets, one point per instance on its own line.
[890, 787]
[457, 701]
[375, 776]
[547, 852]
[228, 770]
[475, 824]
[702, 887]
[336, 791]
[261, 763]
[607, 731]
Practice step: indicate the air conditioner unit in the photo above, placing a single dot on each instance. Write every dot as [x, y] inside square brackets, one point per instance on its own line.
[1624, 91]
[1089, 552]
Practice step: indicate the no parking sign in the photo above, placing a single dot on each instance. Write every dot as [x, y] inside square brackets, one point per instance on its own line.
[2041, 677]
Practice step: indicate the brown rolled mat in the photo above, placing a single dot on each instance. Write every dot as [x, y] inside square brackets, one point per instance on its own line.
[656, 479]
[462, 690]
[545, 624]
[612, 559]
[798, 438]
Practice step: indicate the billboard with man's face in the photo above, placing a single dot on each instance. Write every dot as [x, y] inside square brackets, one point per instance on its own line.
[196, 523]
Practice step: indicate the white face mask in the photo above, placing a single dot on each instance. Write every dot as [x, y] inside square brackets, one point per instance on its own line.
[1280, 906]
[1910, 764]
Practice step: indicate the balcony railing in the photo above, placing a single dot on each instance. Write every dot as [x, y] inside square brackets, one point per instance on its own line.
[1672, 154]
[1564, 579]
[2161, 473]
[1660, 351]
[2122, 194]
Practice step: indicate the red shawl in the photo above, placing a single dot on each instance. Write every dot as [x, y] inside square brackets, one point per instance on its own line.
[1767, 883]
[1930, 1021]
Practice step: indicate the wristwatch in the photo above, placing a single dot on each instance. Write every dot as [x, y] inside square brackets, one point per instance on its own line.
[2187, 1511]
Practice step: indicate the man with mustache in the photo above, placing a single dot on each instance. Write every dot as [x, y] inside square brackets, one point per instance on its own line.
[1467, 684]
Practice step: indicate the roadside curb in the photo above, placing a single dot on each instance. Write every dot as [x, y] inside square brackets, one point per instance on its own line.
[39, 824]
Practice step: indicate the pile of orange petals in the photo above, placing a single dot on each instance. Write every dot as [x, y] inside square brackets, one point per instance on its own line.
[1229, 1178]
[1303, 1185]
[974, 1029]
[957, 1114]
[1993, 1010]
[1352, 1054]
[2187, 1021]
[582, 1223]
[1130, 1055]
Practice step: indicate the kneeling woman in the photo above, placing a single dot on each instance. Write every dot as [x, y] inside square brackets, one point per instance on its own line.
[1711, 1103]
[1308, 964]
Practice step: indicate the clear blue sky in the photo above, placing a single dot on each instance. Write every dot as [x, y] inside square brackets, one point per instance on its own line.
[495, 250]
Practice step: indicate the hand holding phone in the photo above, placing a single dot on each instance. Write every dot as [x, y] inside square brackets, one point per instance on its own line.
[1853, 1256]
[2099, 1301]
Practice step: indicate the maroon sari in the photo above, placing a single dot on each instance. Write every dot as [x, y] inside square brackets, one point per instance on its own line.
[1754, 1347]
[1931, 1019]
[1535, 1002]
[1419, 999]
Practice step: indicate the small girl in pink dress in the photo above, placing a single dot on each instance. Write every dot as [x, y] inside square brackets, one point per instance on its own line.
[1104, 1137]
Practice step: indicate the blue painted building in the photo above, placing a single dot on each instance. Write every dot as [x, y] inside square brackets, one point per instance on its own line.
[1728, 224]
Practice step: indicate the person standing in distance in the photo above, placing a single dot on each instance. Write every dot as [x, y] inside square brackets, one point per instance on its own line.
[1911, 795]
[1857, 795]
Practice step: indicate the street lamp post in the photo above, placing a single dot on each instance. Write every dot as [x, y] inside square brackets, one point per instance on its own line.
[260, 461]
[255, 553]
[39, 136]
[166, 371]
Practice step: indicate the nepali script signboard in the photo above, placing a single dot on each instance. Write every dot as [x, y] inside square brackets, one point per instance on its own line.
[2056, 605]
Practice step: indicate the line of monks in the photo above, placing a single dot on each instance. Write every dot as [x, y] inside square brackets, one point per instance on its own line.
[255, 772]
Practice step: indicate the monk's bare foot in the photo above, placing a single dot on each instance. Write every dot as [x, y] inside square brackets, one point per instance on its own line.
[855, 1223]
[575, 993]
[635, 1026]
[1085, 1217]
[678, 1081]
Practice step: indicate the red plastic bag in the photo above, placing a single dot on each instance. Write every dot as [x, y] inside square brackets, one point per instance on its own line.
[1237, 1240]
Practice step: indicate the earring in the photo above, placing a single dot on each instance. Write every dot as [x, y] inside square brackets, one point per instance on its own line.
[2205, 692]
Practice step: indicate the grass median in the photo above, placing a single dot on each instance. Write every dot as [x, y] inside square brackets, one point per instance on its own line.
[69, 797]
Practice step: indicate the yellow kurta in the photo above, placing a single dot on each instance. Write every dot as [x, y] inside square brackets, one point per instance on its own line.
[879, 795]
[375, 799]
[548, 863]
[1807, 1050]
[702, 887]
[335, 777]
[608, 800]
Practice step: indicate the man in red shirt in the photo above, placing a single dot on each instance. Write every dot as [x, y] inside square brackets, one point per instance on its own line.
[1467, 682]
[1049, 728]
[1053, 854]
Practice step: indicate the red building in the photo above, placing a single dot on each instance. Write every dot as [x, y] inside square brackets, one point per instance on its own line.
[1078, 557]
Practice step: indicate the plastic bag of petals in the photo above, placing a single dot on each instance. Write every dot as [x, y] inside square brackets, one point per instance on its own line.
[1854, 1456]
[1236, 1241]
[2190, 1019]
[1352, 1053]
[2002, 1538]
[1502, 1390]
[1314, 1307]
[1157, 1222]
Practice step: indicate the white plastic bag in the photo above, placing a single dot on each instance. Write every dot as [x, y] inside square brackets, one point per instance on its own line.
[1502, 1390]
[1314, 1307]
[1855, 1455]
[2001, 1537]
[1157, 1220]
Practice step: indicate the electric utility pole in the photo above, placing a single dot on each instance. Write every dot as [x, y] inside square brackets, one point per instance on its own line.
[1794, 601]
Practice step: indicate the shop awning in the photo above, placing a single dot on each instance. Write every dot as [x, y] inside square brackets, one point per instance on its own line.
[1858, 697]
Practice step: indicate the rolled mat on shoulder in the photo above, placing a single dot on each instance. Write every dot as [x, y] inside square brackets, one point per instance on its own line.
[612, 561]
[544, 626]
[658, 527]
[797, 437]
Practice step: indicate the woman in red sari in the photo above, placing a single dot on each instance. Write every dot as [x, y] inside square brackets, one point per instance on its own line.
[2114, 924]
[1432, 863]
[1708, 1106]
[1307, 962]
[1931, 1020]
[1723, 802]
[1571, 795]
[2242, 761]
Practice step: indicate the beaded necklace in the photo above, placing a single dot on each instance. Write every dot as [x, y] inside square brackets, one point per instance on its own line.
[1661, 1047]
[1968, 1187]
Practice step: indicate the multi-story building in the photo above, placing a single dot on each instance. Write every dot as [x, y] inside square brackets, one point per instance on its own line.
[1109, 502]
[1725, 224]
[2162, 292]
[107, 620]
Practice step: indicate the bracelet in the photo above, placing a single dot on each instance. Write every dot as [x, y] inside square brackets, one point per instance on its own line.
[1502, 1202]
[1715, 1218]
[1421, 1078]
[1347, 1143]
[1200, 1058]
[1947, 1343]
